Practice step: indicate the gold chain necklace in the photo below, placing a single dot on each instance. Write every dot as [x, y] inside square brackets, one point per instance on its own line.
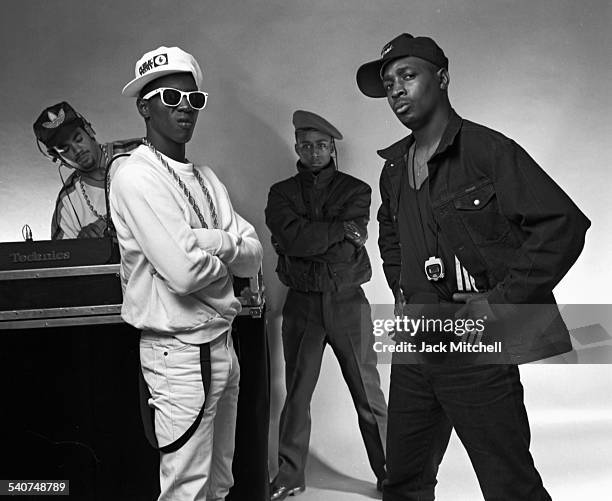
[185, 189]
[106, 189]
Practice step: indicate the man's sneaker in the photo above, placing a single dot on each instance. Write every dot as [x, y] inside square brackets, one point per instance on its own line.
[282, 491]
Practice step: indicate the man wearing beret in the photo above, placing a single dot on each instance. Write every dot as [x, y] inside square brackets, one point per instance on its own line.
[81, 206]
[465, 212]
[318, 220]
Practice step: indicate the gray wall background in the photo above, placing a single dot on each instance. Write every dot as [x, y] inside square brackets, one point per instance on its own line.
[535, 70]
[539, 71]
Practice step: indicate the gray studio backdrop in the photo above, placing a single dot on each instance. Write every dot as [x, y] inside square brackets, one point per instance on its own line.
[539, 71]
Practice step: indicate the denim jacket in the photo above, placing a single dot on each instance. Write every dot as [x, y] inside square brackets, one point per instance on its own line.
[508, 222]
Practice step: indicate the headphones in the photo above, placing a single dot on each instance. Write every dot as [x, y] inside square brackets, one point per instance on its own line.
[335, 154]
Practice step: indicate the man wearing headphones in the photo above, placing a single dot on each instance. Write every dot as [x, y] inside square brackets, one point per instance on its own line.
[318, 220]
[81, 206]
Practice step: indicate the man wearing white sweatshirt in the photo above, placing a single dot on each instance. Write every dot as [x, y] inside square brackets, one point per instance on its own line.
[181, 242]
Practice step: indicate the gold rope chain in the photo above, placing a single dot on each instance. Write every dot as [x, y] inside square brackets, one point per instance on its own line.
[107, 189]
[185, 189]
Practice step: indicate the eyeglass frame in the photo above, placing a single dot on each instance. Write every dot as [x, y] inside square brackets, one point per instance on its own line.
[160, 91]
[310, 148]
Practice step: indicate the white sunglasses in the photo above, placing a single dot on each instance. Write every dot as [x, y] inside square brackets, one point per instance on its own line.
[173, 97]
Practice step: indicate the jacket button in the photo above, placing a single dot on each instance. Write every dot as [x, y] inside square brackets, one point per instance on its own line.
[477, 202]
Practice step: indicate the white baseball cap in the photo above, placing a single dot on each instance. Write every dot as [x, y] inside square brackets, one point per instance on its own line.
[159, 62]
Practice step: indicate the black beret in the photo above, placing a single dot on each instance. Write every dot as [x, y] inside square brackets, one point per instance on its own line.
[308, 120]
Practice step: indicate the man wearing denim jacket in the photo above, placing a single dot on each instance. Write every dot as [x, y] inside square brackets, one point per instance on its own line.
[465, 211]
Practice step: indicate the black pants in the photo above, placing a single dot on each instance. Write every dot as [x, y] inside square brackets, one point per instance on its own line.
[484, 403]
[310, 321]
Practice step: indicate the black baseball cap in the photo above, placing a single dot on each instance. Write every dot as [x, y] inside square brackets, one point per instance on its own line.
[369, 80]
[55, 124]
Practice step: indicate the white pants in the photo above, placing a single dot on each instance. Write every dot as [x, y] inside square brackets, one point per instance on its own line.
[202, 468]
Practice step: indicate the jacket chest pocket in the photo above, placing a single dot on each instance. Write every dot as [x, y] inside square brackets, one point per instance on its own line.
[478, 210]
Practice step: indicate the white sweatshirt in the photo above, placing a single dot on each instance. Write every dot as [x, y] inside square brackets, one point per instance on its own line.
[177, 276]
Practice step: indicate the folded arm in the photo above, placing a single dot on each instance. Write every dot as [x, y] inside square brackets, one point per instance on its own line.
[237, 244]
[158, 225]
[296, 235]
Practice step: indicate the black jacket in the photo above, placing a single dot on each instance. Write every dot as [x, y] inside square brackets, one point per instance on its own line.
[305, 215]
[508, 222]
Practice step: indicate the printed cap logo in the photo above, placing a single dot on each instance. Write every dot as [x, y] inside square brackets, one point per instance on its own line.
[149, 64]
[386, 49]
[54, 120]
[160, 60]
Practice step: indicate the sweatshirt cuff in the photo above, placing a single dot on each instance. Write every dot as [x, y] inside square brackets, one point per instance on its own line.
[219, 243]
[230, 244]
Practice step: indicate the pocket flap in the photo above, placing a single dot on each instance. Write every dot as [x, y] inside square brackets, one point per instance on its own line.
[476, 199]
